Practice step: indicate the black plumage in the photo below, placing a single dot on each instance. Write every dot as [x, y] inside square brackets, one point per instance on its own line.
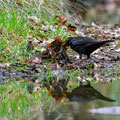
[86, 93]
[85, 45]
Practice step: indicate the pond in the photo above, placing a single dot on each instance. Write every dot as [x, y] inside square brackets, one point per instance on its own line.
[84, 102]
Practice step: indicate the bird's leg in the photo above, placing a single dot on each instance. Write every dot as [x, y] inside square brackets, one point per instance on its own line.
[91, 58]
[88, 56]
[88, 83]
[81, 84]
[80, 56]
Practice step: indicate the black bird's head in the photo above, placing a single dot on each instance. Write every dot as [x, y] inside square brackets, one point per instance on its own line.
[66, 43]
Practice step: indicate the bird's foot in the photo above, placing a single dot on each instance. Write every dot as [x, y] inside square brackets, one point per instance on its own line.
[92, 59]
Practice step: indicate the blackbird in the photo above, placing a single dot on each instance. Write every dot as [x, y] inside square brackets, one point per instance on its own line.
[86, 93]
[84, 45]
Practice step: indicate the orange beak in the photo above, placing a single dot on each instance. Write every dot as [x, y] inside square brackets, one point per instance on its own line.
[64, 43]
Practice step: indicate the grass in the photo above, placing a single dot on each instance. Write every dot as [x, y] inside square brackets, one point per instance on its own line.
[22, 98]
[16, 30]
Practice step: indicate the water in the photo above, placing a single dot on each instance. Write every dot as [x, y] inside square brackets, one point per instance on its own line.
[72, 110]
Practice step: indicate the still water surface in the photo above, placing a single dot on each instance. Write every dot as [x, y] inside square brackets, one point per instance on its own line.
[103, 96]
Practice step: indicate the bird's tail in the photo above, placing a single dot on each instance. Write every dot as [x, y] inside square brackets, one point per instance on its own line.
[107, 99]
[101, 43]
[107, 41]
[92, 47]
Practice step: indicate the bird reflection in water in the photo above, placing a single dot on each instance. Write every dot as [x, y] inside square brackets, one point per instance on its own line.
[82, 93]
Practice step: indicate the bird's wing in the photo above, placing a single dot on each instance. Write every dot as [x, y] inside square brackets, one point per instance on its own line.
[93, 46]
[79, 49]
[81, 41]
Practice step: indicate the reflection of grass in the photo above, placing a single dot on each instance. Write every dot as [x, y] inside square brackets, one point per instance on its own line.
[16, 101]
[20, 99]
